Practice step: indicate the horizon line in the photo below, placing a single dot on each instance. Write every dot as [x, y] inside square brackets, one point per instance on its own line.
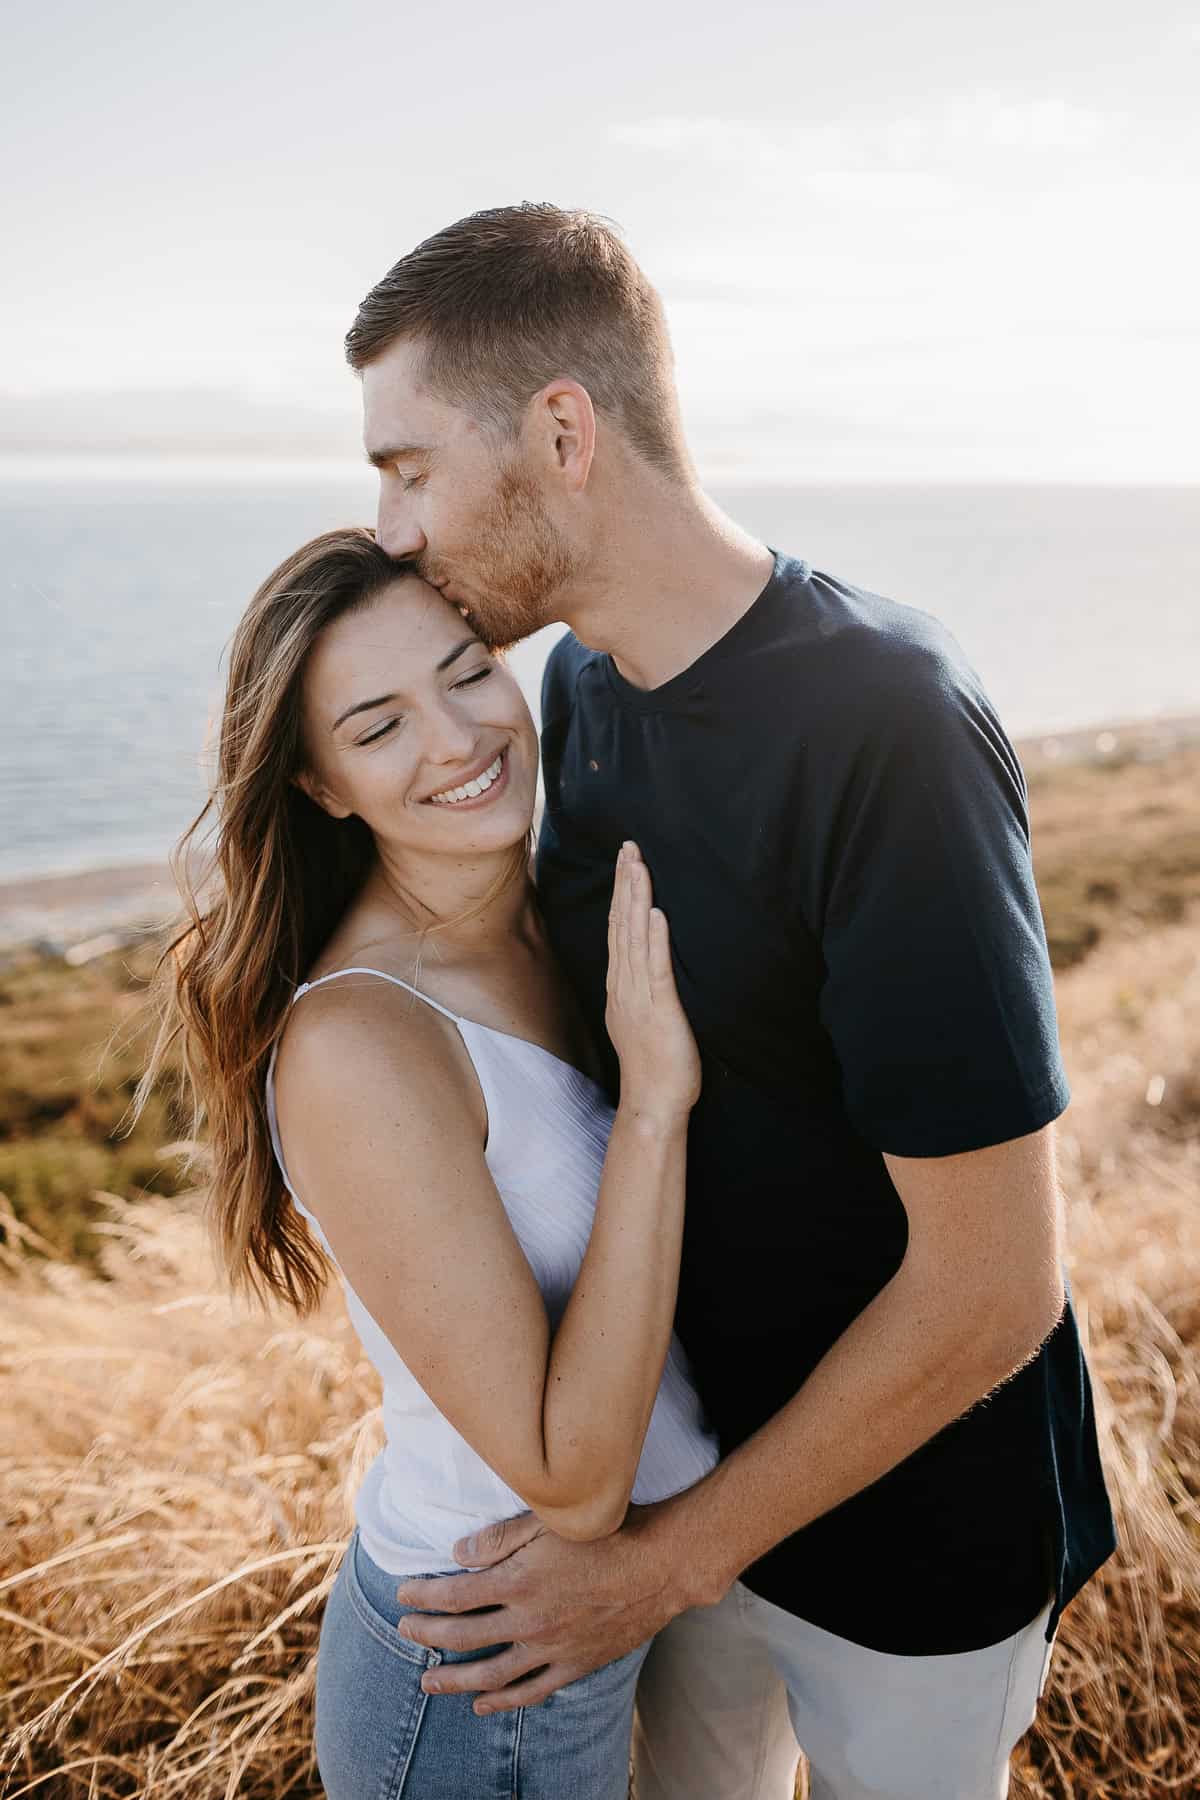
[167, 467]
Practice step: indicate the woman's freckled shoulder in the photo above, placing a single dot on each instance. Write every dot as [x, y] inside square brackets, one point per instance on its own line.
[357, 1037]
[373, 1053]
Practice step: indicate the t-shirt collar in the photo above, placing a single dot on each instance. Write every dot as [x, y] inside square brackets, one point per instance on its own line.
[683, 689]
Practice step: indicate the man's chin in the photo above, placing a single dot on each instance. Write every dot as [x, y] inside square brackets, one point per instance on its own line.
[501, 615]
[500, 630]
[478, 624]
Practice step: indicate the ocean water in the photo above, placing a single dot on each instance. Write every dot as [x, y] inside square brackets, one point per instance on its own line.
[1075, 605]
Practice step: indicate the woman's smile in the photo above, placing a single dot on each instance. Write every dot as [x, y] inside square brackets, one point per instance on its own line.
[484, 784]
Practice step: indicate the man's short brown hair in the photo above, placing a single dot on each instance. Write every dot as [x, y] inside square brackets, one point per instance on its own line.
[505, 300]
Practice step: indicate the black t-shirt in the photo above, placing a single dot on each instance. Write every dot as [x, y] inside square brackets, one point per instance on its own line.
[835, 824]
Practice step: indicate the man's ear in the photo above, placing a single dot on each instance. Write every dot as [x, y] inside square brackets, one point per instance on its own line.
[320, 796]
[565, 421]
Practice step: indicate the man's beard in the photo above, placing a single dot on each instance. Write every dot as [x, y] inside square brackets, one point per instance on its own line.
[522, 563]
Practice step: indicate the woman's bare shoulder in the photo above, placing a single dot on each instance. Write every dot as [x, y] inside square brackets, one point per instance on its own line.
[362, 1042]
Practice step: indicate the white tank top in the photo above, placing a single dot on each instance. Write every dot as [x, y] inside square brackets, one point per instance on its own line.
[547, 1132]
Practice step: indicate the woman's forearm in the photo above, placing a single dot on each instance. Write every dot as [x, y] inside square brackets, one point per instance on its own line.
[606, 1358]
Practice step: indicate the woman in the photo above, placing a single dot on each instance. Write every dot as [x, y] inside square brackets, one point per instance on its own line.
[372, 1019]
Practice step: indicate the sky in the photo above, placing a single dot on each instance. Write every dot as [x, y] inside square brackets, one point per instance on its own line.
[894, 242]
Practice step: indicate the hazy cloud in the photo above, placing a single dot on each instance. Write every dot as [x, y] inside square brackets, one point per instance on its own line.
[188, 421]
[982, 123]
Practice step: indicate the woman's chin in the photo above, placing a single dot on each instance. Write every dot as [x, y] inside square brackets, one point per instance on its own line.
[512, 828]
[478, 834]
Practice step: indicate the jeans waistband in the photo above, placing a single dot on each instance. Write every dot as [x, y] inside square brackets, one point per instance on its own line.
[380, 1587]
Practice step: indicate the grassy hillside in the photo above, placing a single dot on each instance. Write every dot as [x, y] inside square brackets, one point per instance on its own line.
[1116, 847]
[69, 1062]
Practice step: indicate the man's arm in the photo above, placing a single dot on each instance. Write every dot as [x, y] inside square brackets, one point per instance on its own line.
[978, 1291]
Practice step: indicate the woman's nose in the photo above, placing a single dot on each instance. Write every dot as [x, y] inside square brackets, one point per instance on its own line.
[451, 737]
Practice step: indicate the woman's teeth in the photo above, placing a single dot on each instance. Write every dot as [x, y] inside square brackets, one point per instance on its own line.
[480, 785]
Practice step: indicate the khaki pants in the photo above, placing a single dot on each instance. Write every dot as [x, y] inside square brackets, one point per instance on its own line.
[728, 1693]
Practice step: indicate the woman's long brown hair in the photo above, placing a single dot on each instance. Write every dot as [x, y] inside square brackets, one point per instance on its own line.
[278, 877]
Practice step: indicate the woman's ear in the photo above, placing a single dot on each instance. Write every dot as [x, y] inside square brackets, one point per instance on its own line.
[320, 796]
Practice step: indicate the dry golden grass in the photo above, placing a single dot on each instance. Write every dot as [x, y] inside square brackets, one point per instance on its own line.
[176, 1477]
[1121, 1716]
[176, 1481]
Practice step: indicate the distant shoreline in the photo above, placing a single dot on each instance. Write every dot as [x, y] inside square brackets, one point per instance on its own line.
[65, 909]
[60, 911]
[1146, 738]
[24, 464]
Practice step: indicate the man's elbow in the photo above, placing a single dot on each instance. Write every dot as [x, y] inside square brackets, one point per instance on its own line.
[1017, 1329]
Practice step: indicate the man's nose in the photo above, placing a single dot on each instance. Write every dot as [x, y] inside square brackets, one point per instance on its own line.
[396, 529]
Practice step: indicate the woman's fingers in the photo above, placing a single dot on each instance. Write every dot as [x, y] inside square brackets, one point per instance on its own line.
[629, 923]
[639, 913]
[639, 957]
[659, 950]
[632, 869]
[616, 916]
[623, 920]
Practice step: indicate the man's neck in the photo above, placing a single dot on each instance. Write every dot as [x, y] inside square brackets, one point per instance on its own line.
[674, 573]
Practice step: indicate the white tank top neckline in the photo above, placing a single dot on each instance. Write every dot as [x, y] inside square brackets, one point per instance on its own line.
[547, 1132]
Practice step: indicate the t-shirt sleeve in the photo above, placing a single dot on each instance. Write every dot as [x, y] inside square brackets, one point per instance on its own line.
[938, 994]
[559, 676]
[553, 698]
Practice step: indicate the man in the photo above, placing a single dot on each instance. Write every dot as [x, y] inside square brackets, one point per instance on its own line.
[835, 823]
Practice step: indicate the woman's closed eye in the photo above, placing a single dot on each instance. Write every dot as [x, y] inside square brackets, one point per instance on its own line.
[381, 731]
[479, 675]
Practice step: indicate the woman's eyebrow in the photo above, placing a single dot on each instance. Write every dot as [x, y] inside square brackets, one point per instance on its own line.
[359, 706]
[452, 656]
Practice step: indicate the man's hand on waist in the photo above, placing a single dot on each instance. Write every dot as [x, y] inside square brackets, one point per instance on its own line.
[563, 1608]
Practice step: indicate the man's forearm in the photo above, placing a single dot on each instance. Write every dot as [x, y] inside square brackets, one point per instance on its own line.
[979, 1289]
[894, 1378]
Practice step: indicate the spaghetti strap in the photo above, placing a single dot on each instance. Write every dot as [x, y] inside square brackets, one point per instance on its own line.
[305, 987]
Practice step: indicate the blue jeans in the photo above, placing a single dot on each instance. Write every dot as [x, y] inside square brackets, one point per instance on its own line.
[379, 1737]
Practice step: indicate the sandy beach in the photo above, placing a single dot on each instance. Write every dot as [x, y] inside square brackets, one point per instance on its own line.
[62, 910]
